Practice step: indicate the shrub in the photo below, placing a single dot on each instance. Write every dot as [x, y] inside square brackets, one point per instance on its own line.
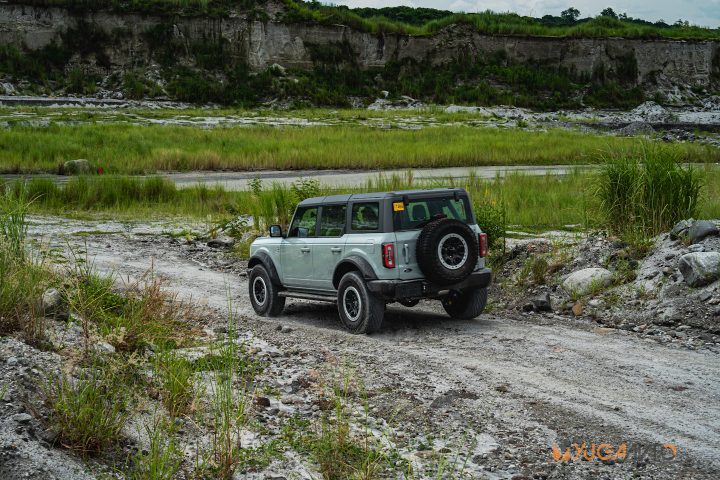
[22, 278]
[491, 219]
[647, 194]
[88, 413]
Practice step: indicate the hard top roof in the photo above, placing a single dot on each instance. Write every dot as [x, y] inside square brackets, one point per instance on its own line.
[379, 195]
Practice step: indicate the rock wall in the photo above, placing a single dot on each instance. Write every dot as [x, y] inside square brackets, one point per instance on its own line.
[263, 43]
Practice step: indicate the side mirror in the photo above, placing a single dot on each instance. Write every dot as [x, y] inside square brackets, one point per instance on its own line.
[276, 231]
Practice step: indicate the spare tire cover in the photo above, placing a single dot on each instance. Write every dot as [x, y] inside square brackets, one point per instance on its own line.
[447, 251]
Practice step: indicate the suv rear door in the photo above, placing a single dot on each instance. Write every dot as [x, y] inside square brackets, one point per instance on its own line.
[329, 246]
[410, 217]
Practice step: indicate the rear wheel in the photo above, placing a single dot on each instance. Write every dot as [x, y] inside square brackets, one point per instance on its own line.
[465, 305]
[360, 311]
[264, 295]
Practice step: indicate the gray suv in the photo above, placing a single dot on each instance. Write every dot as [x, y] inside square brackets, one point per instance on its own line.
[364, 251]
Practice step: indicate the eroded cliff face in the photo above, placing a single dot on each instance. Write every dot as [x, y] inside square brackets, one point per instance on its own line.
[264, 43]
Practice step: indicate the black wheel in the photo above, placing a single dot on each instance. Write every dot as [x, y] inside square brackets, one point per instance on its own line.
[465, 305]
[263, 293]
[360, 311]
[447, 251]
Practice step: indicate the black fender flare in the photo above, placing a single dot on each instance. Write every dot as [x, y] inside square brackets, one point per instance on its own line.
[353, 262]
[262, 258]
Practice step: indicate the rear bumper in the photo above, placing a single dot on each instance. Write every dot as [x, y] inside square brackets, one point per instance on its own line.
[410, 289]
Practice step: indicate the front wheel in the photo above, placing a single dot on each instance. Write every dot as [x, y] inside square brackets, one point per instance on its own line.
[465, 305]
[264, 295]
[360, 311]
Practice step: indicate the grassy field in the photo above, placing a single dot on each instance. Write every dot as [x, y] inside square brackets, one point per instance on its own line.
[527, 202]
[130, 149]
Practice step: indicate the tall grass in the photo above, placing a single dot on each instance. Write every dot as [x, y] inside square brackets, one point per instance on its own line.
[648, 193]
[89, 412]
[141, 149]
[23, 277]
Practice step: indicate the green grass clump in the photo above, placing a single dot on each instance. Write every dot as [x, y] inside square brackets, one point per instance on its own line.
[163, 458]
[23, 277]
[89, 412]
[176, 379]
[129, 149]
[647, 194]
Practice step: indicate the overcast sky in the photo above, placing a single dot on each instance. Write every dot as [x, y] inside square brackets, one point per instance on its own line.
[700, 12]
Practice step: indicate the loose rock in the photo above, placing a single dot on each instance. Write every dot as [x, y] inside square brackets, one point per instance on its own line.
[701, 229]
[700, 268]
[581, 281]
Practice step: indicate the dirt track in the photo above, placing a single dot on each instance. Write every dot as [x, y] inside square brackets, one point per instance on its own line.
[500, 390]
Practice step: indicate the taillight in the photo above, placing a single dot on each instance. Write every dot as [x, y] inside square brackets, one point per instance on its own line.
[388, 255]
[483, 243]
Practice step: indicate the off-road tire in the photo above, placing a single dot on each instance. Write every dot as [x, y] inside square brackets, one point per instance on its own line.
[432, 265]
[370, 309]
[273, 304]
[465, 305]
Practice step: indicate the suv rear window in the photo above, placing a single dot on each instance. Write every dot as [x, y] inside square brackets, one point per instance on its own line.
[365, 216]
[419, 211]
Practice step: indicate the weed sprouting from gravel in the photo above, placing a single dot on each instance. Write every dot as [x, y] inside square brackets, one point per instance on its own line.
[176, 378]
[163, 458]
[88, 411]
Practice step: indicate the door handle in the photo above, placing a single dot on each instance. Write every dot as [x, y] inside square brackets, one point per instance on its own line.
[305, 250]
[336, 249]
[406, 252]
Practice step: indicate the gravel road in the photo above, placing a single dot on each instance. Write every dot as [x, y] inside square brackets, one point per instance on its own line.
[500, 390]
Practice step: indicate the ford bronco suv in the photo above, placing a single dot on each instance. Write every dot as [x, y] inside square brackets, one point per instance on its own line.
[364, 251]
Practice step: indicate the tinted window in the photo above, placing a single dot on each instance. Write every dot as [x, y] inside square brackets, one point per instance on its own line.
[365, 216]
[420, 211]
[304, 223]
[332, 223]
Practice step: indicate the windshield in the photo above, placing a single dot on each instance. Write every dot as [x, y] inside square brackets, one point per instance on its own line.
[418, 212]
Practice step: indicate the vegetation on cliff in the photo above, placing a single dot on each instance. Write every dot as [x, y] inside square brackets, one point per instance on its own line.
[414, 21]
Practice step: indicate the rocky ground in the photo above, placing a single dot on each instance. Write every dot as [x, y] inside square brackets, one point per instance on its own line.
[698, 121]
[626, 353]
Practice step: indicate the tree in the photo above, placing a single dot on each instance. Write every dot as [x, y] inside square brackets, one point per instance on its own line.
[608, 12]
[570, 15]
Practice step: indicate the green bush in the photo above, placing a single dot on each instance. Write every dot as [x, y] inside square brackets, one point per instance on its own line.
[491, 219]
[647, 194]
[89, 412]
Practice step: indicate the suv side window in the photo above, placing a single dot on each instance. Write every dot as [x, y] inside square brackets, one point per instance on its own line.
[304, 223]
[332, 221]
[365, 216]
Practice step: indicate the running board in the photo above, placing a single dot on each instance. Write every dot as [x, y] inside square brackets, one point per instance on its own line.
[308, 296]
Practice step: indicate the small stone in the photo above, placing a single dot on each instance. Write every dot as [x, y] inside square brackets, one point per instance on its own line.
[577, 309]
[12, 361]
[76, 167]
[696, 248]
[701, 229]
[221, 243]
[22, 418]
[704, 296]
[104, 347]
[542, 303]
[680, 229]
[285, 329]
[581, 281]
[262, 401]
[700, 268]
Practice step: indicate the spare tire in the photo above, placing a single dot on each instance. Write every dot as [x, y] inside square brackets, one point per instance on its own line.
[447, 251]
